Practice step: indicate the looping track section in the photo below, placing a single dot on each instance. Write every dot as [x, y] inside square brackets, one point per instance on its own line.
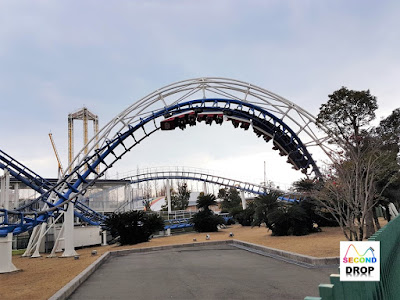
[292, 131]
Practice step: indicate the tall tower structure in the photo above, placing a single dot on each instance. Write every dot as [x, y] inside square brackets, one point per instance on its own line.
[85, 115]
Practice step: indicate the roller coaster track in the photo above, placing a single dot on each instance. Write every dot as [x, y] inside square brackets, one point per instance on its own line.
[291, 128]
[43, 186]
[184, 173]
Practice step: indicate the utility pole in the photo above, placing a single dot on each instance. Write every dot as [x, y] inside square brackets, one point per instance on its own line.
[265, 175]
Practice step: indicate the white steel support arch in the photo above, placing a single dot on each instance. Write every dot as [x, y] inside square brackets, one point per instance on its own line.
[298, 119]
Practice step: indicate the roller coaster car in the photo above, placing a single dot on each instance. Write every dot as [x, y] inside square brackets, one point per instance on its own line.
[179, 120]
[209, 117]
[299, 161]
[260, 132]
[267, 138]
[236, 121]
[290, 161]
[257, 132]
[286, 139]
[282, 150]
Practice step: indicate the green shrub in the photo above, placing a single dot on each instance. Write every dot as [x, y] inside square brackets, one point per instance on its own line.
[264, 204]
[230, 199]
[300, 221]
[230, 221]
[206, 221]
[289, 219]
[325, 219]
[134, 226]
[317, 214]
[278, 221]
[246, 216]
[235, 211]
[204, 201]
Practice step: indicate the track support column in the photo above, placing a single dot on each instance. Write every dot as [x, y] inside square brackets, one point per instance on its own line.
[168, 190]
[205, 188]
[69, 249]
[6, 265]
[244, 203]
[39, 240]
[57, 246]
[31, 243]
[16, 194]
[5, 190]
[2, 191]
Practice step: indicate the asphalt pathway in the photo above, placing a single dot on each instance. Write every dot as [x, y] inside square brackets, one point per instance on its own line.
[206, 272]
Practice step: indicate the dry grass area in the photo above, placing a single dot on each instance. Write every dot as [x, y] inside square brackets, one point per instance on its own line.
[40, 278]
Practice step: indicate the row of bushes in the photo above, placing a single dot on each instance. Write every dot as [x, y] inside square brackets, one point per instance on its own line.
[283, 218]
[137, 226]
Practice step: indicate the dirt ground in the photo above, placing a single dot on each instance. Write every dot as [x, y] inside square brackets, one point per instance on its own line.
[40, 278]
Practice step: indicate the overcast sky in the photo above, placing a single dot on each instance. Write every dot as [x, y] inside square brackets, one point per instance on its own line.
[58, 56]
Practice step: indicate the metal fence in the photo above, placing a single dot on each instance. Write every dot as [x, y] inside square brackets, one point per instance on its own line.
[21, 241]
[176, 214]
[388, 288]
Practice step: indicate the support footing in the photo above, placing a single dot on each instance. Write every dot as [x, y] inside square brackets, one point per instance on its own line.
[6, 265]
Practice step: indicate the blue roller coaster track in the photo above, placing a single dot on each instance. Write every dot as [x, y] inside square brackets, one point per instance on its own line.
[185, 173]
[76, 183]
[43, 186]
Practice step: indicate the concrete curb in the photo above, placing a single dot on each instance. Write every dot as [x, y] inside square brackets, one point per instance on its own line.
[290, 257]
[71, 286]
[168, 247]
